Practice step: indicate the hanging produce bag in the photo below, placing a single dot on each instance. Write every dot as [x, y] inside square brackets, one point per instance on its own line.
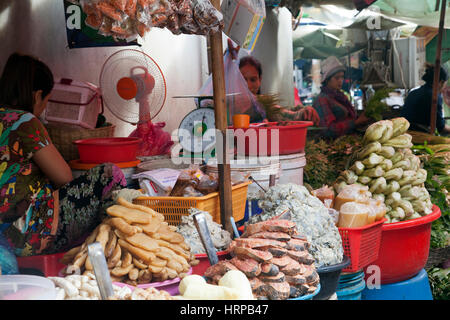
[239, 98]
[243, 21]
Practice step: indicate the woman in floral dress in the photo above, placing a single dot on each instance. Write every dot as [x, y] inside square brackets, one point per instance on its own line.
[43, 209]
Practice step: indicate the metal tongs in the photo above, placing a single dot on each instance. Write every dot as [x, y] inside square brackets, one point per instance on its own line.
[101, 271]
[205, 237]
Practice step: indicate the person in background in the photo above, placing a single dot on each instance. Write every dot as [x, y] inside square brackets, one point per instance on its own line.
[332, 105]
[417, 107]
[251, 70]
[43, 209]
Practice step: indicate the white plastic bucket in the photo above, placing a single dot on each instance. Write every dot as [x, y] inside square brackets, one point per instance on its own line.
[260, 172]
[292, 168]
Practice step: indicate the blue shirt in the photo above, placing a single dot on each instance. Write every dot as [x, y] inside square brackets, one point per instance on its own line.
[417, 107]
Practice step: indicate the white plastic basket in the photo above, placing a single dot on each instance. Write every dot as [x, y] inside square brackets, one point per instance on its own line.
[74, 102]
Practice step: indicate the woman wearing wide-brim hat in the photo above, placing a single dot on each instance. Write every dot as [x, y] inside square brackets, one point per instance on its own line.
[335, 110]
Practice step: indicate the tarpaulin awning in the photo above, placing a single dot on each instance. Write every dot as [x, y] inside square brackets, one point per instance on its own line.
[322, 43]
[419, 12]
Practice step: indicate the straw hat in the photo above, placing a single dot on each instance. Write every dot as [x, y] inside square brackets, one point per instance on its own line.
[330, 66]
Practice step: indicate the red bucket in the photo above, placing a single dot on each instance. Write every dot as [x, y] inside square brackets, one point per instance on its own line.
[404, 248]
[291, 138]
[101, 150]
[204, 262]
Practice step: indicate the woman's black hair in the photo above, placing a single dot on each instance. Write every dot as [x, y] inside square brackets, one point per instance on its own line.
[428, 77]
[249, 60]
[22, 75]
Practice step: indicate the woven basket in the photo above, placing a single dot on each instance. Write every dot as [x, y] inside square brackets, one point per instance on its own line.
[63, 136]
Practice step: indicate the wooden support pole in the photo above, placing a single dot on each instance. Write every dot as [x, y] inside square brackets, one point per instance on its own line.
[220, 110]
[437, 67]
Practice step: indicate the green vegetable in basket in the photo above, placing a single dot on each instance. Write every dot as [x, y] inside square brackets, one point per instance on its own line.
[405, 164]
[406, 206]
[378, 130]
[407, 178]
[411, 193]
[372, 147]
[404, 188]
[338, 186]
[391, 187]
[401, 141]
[398, 213]
[372, 161]
[415, 215]
[420, 206]
[398, 156]
[386, 151]
[378, 185]
[392, 199]
[349, 176]
[401, 125]
[421, 177]
[374, 172]
[357, 167]
[379, 196]
[364, 180]
[394, 174]
[386, 164]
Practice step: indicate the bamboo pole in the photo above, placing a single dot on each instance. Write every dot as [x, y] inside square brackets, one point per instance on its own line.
[437, 67]
[220, 110]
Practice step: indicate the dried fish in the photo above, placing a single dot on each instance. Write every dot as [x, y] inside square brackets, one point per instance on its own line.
[311, 216]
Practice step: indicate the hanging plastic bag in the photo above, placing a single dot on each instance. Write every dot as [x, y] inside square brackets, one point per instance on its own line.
[155, 141]
[239, 99]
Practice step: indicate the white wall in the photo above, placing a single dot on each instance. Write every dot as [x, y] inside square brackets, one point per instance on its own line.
[37, 27]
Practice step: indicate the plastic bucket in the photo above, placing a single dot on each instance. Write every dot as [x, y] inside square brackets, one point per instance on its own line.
[292, 168]
[329, 279]
[259, 168]
[290, 138]
[404, 248]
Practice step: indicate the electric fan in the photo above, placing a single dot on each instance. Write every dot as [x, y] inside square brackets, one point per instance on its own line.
[134, 90]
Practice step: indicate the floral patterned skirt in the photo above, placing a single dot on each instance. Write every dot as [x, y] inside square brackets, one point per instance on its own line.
[82, 207]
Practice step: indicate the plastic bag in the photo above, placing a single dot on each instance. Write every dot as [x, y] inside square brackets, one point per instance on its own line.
[155, 141]
[159, 182]
[208, 183]
[239, 98]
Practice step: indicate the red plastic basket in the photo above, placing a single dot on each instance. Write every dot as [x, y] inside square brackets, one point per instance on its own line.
[49, 264]
[361, 245]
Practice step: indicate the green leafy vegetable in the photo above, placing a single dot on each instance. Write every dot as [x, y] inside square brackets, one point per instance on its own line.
[375, 107]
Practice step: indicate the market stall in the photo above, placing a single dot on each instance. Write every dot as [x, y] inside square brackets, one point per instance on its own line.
[279, 215]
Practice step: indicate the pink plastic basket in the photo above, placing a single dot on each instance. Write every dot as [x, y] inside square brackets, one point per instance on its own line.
[75, 103]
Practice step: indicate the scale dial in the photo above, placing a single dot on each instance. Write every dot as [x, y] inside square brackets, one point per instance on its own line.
[197, 130]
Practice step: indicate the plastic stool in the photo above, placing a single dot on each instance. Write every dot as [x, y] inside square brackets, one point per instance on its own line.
[416, 288]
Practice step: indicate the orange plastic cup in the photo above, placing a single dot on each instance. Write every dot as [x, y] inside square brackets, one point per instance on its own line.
[241, 121]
